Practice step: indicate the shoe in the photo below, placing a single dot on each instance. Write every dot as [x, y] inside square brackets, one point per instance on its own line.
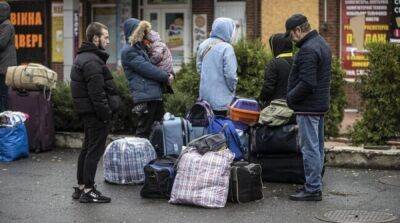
[77, 193]
[94, 196]
[300, 189]
[306, 196]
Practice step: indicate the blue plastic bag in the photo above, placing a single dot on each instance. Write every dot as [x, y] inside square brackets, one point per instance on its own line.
[13, 143]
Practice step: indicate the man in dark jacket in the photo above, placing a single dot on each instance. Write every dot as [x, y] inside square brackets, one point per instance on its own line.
[95, 97]
[145, 79]
[309, 96]
[277, 70]
[8, 54]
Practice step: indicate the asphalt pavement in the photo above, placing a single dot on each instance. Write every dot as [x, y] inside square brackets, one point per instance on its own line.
[39, 188]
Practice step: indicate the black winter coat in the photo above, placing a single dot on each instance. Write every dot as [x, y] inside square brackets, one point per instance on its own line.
[277, 70]
[309, 80]
[8, 54]
[92, 86]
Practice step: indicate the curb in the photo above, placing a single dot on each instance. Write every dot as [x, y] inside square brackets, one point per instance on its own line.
[336, 156]
[358, 157]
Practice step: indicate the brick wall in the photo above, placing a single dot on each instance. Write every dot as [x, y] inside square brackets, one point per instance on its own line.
[331, 30]
[204, 7]
[59, 69]
[253, 20]
[353, 96]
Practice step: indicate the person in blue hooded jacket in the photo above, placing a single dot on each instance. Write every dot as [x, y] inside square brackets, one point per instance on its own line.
[145, 79]
[217, 65]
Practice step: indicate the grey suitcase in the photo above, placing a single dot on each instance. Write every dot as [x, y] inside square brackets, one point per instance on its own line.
[177, 132]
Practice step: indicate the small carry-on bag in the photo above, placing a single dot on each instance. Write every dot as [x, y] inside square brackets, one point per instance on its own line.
[200, 116]
[124, 160]
[245, 183]
[202, 180]
[159, 178]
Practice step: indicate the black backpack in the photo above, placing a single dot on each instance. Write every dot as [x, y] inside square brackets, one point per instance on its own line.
[159, 178]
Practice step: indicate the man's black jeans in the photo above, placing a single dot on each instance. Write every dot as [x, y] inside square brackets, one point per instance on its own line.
[96, 132]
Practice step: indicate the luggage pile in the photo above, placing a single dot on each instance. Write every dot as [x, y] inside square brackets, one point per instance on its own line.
[207, 160]
[30, 93]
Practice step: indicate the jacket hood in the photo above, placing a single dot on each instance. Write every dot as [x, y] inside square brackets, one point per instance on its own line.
[223, 28]
[139, 31]
[280, 44]
[4, 11]
[129, 26]
[153, 36]
[90, 47]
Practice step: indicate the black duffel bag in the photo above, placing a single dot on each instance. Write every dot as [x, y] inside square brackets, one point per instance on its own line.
[274, 140]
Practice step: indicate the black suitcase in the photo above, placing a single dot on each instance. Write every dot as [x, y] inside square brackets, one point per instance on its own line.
[245, 183]
[282, 168]
[274, 140]
[40, 125]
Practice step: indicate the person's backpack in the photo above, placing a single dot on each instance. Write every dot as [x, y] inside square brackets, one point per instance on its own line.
[200, 114]
[276, 114]
[231, 136]
[159, 178]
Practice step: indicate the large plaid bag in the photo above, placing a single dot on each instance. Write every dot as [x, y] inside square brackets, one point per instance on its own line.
[202, 180]
[124, 160]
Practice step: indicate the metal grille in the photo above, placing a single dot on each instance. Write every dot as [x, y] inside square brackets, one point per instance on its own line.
[391, 180]
[356, 216]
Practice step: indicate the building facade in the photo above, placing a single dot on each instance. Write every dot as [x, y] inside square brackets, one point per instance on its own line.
[50, 31]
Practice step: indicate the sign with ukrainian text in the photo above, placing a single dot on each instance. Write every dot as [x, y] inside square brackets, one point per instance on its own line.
[28, 18]
[363, 22]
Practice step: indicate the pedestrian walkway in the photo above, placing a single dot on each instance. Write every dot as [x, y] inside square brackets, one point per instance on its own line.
[39, 189]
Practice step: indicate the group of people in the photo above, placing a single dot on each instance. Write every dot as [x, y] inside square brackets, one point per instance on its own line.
[302, 79]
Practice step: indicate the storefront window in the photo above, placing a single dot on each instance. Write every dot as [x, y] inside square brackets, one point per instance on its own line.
[174, 30]
[106, 14]
[167, 1]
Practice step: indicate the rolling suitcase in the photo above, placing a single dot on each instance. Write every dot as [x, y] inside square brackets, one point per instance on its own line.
[40, 125]
[169, 136]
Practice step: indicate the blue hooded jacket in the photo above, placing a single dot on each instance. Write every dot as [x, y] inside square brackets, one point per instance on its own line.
[145, 79]
[217, 65]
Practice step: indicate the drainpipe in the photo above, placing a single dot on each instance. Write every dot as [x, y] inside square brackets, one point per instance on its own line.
[325, 23]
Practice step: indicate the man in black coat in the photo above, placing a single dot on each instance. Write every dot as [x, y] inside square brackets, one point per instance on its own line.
[95, 98]
[8, 54]
[277, 70]
[309, 96]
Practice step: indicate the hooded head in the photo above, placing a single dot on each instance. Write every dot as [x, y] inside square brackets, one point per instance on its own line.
[136, 30]
[279, 44]
[224, 29]
[153, 36]
[4, 11]
[129, 26]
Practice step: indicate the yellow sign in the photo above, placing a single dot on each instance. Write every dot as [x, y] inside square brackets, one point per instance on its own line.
[57, 25]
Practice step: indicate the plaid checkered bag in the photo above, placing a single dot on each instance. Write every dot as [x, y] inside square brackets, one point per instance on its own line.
[202, 180]
[124, 160]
